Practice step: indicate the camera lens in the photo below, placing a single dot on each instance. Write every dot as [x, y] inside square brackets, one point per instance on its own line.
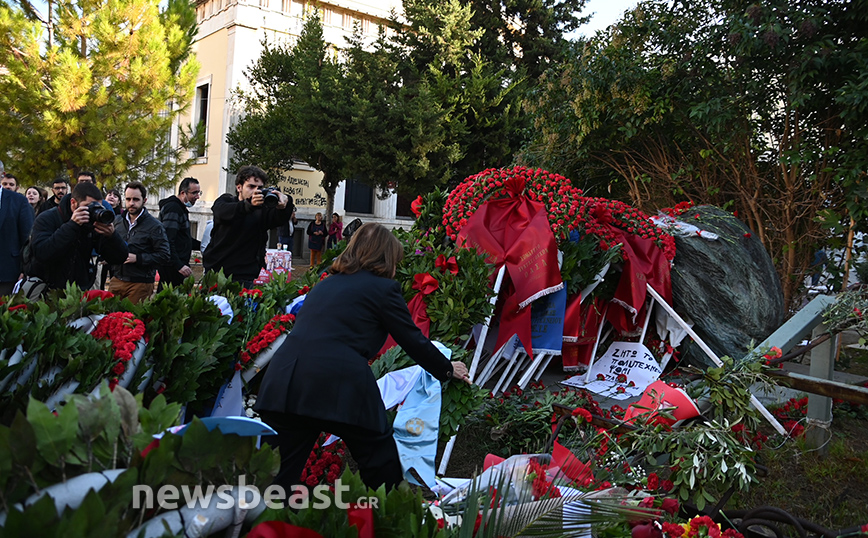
[270, 197]
[97, 213]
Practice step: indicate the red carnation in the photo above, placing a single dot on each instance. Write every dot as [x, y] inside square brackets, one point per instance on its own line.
[584, 413]
[647, 502]
[673, 530]
[670, 505]
[647, 530]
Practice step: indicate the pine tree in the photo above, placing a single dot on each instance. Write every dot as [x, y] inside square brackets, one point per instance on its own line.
[102, 95]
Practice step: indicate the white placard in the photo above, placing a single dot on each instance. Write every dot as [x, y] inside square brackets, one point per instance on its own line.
[629, 359]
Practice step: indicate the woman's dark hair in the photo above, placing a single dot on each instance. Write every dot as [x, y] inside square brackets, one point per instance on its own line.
[116, 193]
[372, 248]
[43, 194]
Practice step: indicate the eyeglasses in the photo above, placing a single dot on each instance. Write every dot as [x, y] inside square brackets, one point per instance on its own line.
[59, 189]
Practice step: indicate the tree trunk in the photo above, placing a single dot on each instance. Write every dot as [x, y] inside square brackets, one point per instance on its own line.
[329, 187]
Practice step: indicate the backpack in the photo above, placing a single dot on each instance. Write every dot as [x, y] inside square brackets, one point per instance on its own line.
[33, 288]
[351, 228]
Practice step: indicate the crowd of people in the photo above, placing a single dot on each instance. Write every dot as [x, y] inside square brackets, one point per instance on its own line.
[52, 239]
[49, 242]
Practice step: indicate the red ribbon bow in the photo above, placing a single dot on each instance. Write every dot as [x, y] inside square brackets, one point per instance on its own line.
[425, 283]
[444, 265]
[514, 186]
[416, 206]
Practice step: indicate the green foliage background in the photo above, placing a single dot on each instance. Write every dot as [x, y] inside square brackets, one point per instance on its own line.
[102, 95]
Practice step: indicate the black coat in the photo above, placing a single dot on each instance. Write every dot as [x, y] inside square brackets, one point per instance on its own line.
[316, 242]
[239, 235]
[321, 371]
[147, 240]
[62, 249]
[176, 221]
[16, 221]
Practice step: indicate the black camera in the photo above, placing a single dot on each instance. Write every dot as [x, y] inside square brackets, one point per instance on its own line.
[97, 213]
[270, 196]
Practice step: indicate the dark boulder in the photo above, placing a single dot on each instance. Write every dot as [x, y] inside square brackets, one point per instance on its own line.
[729, 287]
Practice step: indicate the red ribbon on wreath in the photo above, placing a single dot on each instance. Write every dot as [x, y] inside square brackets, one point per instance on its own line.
[425, 284]
[515, 231]
[644, 262]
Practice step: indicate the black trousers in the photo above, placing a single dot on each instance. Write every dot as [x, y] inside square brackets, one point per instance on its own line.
[376, 453]
[170, 277]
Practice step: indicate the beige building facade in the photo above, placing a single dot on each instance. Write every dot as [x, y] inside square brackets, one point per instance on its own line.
[228, 42]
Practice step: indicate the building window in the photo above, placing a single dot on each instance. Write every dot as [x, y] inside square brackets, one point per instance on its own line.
[366, 26]
[201, 118]
[359, 198]
[402, 207]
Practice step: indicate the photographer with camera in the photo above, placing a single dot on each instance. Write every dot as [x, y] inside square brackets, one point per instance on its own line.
[241, 224]
[64, 238]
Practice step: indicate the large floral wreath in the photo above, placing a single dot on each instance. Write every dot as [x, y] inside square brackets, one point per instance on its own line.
[568, 210]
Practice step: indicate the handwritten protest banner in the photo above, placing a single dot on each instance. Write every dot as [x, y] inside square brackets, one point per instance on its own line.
[624, 371]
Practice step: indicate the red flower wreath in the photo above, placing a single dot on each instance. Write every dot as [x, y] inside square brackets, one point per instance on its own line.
[561, 198]
[599, 211]
[278, 325]
[124, 331]
[567, 209]
[325, 463]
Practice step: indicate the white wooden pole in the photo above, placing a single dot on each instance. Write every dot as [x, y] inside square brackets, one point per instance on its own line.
[596, 344]
[713, 356]
[484, 333]
[647, 321]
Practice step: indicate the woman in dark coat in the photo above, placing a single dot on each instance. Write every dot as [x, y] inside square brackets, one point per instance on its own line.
[317, 232]
[319, 380]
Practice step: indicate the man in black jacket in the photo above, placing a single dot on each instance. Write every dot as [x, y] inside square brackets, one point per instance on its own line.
[64, 238]
[146, 240]
[241, 224]
[60, 187]
[176, 222]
